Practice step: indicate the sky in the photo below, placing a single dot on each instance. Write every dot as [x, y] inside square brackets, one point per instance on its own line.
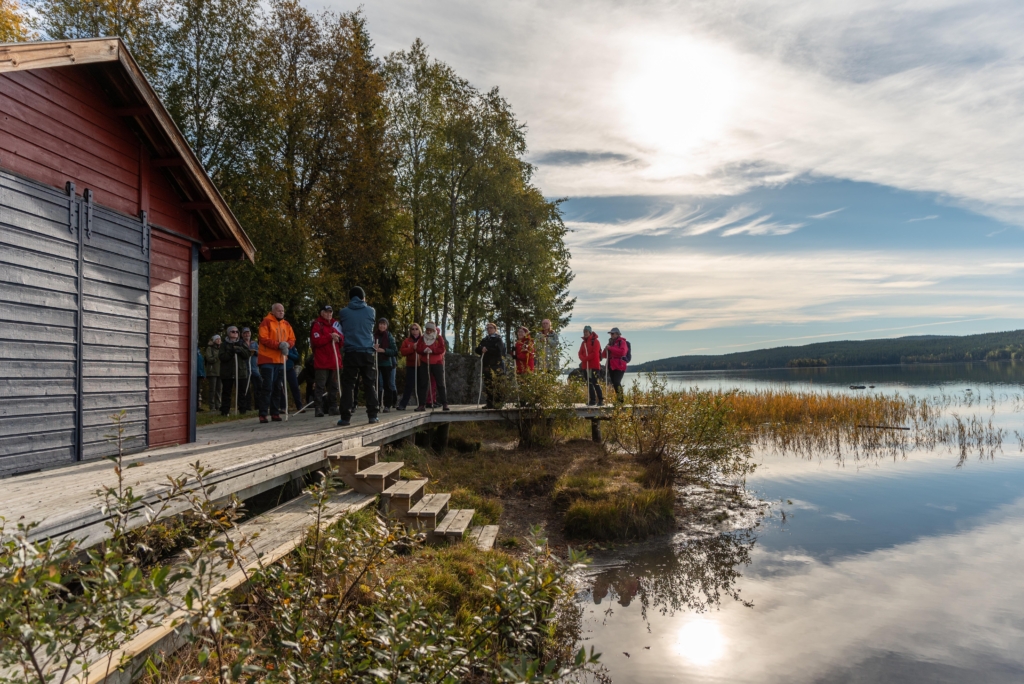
[742, 174]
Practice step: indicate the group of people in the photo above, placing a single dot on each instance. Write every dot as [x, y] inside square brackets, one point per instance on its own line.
[354, 347]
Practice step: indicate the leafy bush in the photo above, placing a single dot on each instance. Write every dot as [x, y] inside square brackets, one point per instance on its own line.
[680, 436]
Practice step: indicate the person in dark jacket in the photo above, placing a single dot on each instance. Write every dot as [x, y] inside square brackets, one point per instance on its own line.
[590, 363]
[326, 339]
[292, 378]
[492, 352]
[412, 362]
[357, 321]
[200, 378]
[615, 352]
[234, 364]
[387, 364]
[431, 349]
[251, 391]
[212, 356]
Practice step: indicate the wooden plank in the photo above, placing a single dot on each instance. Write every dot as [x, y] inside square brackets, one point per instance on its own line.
[17, 314]
[32, 369]
[102, 418]
[37, 423]
[93, 288]
[26, 294]
[125, 256]
[48, 265]
[159, 313]
[114, 384]
[36, 351]
[107, 322]
[104, 369]
[169, 341]
[175, 264]
[112, 339]
[112, 276]
[169, 328]
[404, 489]
[106, 402]
[483, 537]
[167, 420]
[41, 441]
[170, 289]
[28, 332]
[57, 246]
[430, 505]
[105, 306]
[28, 407]
[37, 460]
[171, 436]
[14, 387]
[175, 394]
[163, 381]
[455, 523]
[170, 301]
[169, 355]
[114, 354]
[380, 470]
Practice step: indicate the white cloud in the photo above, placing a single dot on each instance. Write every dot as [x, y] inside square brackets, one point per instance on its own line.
[930, 217]
[826, 214]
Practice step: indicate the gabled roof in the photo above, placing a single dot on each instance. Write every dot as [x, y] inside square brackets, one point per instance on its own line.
[222, 234]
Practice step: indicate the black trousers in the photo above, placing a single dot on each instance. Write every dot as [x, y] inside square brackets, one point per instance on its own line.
[410, 393]
[245, 398]
[227, 391]
[490, 380]
[594, 387]
[358, 365]
[615, 377]
[271, 389]
[436, 371]
[325, 389]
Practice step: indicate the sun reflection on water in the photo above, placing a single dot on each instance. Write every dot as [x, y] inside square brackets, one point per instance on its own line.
[700, 641]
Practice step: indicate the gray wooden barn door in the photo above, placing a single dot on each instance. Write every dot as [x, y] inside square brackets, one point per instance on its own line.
[74, 302]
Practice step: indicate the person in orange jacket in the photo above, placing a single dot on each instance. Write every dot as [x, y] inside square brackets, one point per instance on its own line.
[276, 339]
[412, 361]
[590, 362]
[524, 351]
[431, 357]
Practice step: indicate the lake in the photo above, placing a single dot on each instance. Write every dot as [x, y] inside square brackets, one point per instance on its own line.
[906, 569]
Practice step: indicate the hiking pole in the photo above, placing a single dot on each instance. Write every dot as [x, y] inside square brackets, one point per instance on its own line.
[284, 380]
[337, 373]
[234, 357]
[480, 393]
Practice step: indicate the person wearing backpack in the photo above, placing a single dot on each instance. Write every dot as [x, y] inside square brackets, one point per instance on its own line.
[619, 353]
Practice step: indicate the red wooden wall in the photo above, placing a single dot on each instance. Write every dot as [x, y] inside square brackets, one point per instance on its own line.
[57, 126]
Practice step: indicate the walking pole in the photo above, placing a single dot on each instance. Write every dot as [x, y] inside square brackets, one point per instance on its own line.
[284, 379]
[480, 393]
[235, 409]
[337, 373]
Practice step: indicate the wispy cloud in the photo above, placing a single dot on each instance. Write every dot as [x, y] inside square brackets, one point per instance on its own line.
[930, 217]
[762, 226]
[826, 214]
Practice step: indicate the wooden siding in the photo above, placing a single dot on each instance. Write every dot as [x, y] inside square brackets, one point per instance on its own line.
[39, 311]
[170, 340]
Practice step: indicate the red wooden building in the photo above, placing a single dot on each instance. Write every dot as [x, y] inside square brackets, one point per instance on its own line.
[105, 214]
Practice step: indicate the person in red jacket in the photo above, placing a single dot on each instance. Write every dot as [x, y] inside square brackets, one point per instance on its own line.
[326, 339]
[590, 362]
[431, 357]
[412, 362]
[616, 352]
[524, 351]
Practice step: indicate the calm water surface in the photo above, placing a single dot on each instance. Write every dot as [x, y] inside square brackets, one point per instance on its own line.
[882, 570]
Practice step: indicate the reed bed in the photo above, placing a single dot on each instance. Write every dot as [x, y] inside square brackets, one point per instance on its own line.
[816, 424]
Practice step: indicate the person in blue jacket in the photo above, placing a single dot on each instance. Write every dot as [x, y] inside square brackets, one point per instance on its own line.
[387, 365]
[200, 377]
[359, 353]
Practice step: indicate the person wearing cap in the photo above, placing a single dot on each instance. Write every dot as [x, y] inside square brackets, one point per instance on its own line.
[524, 351]
[590, 363]
[276, 338]
[412, 362]
[234, 363]
[358, 320]
[326, 339]
[547, 347]
[431, 351]
[492, 351]
[250, 392]
[387, 364]
[615, 352]
[212, 358]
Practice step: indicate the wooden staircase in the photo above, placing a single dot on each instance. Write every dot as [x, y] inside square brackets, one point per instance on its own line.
[405, 500]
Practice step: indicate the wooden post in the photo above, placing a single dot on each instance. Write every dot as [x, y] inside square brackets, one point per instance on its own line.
[595, 430]
[439, 439]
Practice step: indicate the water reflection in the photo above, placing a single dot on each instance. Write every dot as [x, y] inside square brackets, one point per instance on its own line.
[692, 575]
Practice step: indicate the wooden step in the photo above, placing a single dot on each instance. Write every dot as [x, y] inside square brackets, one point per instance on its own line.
[425, 514]
[483, 536]
[455, 524]
[351, 461]
[380, 476]
[397, 499]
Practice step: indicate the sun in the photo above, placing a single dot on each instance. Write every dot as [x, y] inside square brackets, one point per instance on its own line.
[700, 641]
[678, 93]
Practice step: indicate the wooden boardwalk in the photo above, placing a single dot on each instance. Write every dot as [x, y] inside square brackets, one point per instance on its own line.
[245, 458]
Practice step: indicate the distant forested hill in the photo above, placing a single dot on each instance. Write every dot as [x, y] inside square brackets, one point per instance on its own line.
[915, 349]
